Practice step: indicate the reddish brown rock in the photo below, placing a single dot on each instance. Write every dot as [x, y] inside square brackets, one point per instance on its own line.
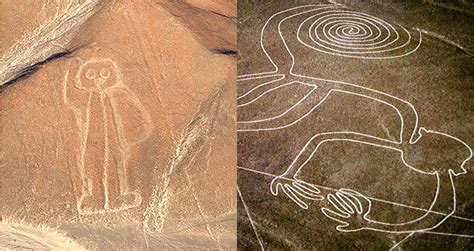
[129, 133]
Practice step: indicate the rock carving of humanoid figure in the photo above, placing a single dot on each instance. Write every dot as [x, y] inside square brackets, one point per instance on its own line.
[112, 121]
[425, 151]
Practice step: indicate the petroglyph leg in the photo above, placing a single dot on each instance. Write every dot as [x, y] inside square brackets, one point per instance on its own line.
[94, 158]
[117, 186]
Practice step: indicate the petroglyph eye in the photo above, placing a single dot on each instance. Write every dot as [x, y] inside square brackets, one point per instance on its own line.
[90, 74]
[104, 73]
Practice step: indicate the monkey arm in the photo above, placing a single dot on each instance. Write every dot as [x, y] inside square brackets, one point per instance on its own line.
[315, 142]
[407, 112]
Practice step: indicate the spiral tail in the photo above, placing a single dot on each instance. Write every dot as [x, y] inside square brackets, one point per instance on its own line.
[343, 32]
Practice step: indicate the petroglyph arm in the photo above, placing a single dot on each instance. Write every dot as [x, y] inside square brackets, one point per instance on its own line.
[73, 97]
[133, 121]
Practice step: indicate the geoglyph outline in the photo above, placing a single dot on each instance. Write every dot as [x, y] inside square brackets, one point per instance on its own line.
[415, 135]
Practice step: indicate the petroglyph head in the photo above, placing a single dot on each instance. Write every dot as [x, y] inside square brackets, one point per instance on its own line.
[98, 75]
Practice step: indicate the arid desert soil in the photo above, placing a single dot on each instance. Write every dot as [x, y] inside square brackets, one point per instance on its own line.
[117, 122]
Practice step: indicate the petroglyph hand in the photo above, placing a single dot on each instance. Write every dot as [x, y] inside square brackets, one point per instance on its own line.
[350, 208]
[295, 190]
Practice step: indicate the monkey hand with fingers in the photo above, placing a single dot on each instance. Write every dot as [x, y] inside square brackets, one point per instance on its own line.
[296, 190]
[349, 208]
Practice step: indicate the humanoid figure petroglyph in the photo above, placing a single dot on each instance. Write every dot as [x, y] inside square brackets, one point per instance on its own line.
[112, 122]
[424, 151]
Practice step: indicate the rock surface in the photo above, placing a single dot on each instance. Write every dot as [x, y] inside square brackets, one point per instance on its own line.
[118, 131]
